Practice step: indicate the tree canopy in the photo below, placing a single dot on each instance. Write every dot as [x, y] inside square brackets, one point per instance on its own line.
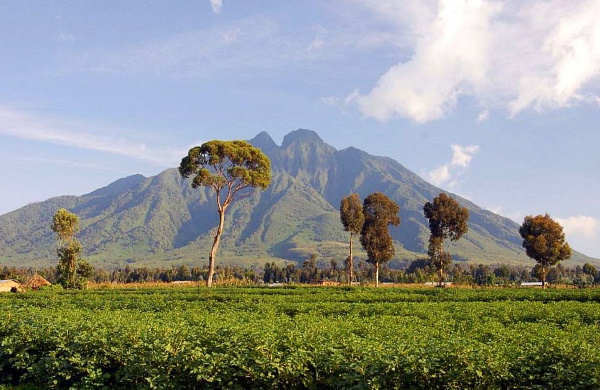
[544, 241]
[229, 168]
[380, 212]
[230, 165]
[65, 224]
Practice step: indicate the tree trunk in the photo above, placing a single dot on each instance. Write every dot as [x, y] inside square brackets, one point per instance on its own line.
[543, 278]
[213, 249]
[350, 265]
[377, 274]
[441, 266]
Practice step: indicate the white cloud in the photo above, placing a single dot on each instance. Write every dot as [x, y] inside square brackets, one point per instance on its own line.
[317, 43]
[440, 175]
[568, 55]
[507, 54]
[516, 216]
[462, 155]
[449, 60]
[448, 174]
[582, 233]
[483, 116]
[216, 5]
[83, 136]
[579, 226]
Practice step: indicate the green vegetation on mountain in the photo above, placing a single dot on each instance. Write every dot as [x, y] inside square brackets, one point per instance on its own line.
[162, 221]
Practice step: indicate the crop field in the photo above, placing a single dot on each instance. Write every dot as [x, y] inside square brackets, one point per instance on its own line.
[301, 338]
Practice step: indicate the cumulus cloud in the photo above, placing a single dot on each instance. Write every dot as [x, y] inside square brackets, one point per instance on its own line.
[216, 5]
[448, 174]
[82, 136]
[579, 226]
[450, 59]
[507, 54]
[582, 233]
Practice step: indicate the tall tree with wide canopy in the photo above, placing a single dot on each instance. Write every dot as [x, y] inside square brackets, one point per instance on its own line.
[447, 220]
[544, 241]
[380, 212]
[352, 217]
[232, 169]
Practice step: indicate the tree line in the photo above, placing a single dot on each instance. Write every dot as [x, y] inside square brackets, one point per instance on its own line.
[311, 270]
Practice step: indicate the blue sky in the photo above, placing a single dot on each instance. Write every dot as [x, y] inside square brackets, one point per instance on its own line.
[498, 101]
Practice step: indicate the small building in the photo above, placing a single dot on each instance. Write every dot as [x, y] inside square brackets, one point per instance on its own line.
[434, 284]
[36, 281]
[531, 284]
[8, 285]
[324, 282]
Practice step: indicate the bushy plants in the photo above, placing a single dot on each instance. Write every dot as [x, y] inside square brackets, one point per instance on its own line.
[302, 338]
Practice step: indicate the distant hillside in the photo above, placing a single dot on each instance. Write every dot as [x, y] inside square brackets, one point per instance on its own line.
[161, 220]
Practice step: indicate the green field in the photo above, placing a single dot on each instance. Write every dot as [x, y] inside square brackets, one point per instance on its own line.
[325, 338]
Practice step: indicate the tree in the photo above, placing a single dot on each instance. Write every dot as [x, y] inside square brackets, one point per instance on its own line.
[544, 241]
[447, 220]
[72, 272]
[352, 217]
[230, 168]
[380, 212]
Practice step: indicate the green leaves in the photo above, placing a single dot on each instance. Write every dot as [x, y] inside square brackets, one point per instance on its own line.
[360, 338]
[65, 224]
[351, 213]
[380, 212]
[227, 163]
[447, 218]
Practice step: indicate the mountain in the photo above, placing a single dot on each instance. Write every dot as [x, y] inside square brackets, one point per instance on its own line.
[161, 220]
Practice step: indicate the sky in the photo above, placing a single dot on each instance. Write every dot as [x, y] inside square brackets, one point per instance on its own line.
[497, 101]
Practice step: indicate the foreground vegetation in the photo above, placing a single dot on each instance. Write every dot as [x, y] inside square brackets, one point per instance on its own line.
[302, 337]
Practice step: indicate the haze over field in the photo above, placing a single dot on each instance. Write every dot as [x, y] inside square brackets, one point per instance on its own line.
[497, 101]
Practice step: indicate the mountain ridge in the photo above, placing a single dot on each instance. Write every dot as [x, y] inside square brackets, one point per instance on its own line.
[161, 220]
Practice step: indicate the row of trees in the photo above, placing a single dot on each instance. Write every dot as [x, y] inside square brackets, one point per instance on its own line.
[417, 271]
[233, 168]
[447, 220]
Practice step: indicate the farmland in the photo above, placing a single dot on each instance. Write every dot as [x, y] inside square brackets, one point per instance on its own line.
[303, 337]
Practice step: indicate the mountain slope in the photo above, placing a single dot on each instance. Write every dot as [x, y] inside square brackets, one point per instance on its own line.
[161, 220]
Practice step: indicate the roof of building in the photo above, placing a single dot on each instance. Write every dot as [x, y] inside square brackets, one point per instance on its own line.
[37, 281]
